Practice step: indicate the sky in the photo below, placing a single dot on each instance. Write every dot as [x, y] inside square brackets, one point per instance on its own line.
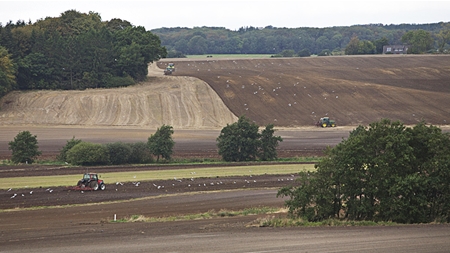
[235, 14]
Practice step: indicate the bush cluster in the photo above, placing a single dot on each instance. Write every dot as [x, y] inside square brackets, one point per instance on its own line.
[384, 172]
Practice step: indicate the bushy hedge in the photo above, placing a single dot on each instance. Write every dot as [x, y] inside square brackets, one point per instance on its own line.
[119, 152]
[86, 153]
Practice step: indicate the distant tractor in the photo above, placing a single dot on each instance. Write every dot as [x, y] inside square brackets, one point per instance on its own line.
[90, 182]
[326, 122]
[170, 69]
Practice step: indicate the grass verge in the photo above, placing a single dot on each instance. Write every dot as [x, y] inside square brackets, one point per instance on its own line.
[208, 215]
[287, 222]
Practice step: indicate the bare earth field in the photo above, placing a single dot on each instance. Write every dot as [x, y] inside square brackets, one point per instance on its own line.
[290, 93]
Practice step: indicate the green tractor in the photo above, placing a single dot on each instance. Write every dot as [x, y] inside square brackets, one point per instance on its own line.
[326, 122]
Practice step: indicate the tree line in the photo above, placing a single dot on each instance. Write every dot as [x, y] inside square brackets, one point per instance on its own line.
[272, 40]
[75, 51]
[240, 141]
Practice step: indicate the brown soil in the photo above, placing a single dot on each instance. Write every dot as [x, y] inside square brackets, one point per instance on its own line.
[291, 92]
[352, 90]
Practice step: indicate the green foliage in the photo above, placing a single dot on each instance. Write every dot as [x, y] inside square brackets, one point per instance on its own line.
[420, 41]
[86, 153]
[161, 143]
[79, 51]
[325, 52]
[304, 53]
[271, 40]
[269, 144]
[118, 152]
[356, 46]
[7, 72]
[139, 153]
[63, 153]
[24, 148]
[384, 172]
[241, 141]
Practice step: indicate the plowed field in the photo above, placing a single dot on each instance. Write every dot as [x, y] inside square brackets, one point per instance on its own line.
[355, 90]
[201, 97]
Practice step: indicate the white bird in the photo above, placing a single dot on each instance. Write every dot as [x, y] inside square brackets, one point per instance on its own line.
[23, 195]
[31, 192]
[15, 194]
[9, 189]
[51, 190]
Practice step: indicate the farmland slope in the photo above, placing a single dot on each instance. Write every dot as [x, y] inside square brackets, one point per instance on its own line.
[353, 90]
[287, 92]
[182, 102]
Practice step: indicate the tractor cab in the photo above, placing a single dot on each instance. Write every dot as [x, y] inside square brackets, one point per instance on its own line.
[90, 181]
[326, 122]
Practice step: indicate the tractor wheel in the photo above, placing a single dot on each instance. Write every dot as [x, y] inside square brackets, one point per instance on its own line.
[102, 187]
[94, 185]
[324, 125]
[333, 125]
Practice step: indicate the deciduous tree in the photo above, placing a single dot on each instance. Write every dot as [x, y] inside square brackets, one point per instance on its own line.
[24, 148]
[161, 143]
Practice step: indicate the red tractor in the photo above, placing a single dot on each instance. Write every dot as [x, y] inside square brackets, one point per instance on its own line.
[90, 182]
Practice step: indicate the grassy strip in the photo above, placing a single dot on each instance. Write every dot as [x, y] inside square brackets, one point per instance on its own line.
[286, 222]
[200, 216]
[112, 177]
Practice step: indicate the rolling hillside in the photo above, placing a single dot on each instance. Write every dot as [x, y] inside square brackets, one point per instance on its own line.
[353, 90]
[288, 92]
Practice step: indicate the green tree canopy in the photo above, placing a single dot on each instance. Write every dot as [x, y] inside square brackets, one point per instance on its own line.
[24, 148]
[86, 153]
[7, 72]
[384, 172]
[269, 143]
[241, 141]
[420, 40]
[78, 51]
[161, 143]
[70, 144]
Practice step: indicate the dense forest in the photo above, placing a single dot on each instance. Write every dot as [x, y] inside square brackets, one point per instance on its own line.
[272, 40]
[75, 51]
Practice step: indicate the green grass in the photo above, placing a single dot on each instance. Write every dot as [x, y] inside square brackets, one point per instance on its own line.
[200, 216]
[112, 177]
[234, 56]
[287, 222]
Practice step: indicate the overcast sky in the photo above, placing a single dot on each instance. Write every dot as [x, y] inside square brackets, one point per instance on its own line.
[235, 14]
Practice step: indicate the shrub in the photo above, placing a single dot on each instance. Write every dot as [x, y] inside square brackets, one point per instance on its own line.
[86, 153]
[63, 153]
[139, 153]
[119, 152]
